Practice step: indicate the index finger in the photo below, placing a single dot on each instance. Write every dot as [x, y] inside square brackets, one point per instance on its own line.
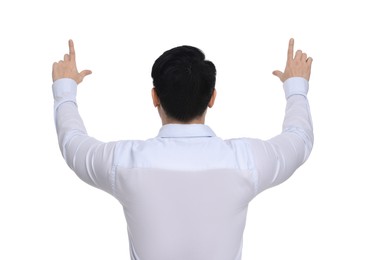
[71, 50]
[290, 49]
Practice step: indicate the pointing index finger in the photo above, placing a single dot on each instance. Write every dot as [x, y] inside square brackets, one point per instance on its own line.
[71, 50]
[290, 49]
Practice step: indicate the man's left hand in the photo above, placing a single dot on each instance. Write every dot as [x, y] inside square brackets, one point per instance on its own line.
[67, 68]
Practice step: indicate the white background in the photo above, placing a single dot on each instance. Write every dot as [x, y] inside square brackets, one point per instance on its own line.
[325, 211]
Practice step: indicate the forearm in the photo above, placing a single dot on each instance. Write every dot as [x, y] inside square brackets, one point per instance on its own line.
[298, 120]
[278, 158]
[294, 145]
[67, 119]
[89, 158]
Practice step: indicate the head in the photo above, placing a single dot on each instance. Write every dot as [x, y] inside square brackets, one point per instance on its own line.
[184, 84]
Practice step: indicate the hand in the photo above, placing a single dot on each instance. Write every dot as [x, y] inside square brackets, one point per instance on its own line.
[298, 66]
[67, 68]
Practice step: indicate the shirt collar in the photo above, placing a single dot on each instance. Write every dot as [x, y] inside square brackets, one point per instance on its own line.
[185, 130]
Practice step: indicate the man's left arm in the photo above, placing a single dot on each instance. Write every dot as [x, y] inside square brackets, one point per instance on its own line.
[89, 158]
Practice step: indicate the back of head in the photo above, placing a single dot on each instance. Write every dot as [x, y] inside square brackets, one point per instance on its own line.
[184, 82]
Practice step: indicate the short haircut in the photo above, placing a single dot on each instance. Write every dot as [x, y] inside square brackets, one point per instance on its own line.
[184, 82]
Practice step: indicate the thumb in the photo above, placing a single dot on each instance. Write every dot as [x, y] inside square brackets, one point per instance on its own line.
[278, 73]
[83, 74]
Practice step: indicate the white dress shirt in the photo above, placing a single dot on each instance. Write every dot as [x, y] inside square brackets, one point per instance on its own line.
[185, 192]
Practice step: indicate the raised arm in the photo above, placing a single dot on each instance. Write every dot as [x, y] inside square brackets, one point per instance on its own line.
[278, 158]
[89, 158]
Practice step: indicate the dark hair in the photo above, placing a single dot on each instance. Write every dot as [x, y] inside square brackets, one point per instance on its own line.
[184, 82]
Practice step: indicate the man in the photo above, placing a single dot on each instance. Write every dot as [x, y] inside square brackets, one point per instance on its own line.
[185, 192]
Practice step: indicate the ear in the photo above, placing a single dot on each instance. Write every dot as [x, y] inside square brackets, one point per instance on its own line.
[212, 99]
[156, 100]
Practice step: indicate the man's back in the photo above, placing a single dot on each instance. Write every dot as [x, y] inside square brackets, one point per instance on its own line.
[195, 213]
[185, 215]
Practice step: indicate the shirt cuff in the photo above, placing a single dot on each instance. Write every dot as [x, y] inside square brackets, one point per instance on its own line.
[296, 86]
[64, 90]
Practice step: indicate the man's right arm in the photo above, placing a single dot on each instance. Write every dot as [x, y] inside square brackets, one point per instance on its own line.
[277, 159]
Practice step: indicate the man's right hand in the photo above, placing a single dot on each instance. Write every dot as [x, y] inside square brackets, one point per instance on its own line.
[298, 66]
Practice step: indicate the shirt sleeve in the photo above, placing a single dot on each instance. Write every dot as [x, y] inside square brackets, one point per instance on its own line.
[275, 160]
[90, 159]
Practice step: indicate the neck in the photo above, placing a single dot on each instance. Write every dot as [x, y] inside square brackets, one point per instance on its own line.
[199, 120]
[168, 120]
